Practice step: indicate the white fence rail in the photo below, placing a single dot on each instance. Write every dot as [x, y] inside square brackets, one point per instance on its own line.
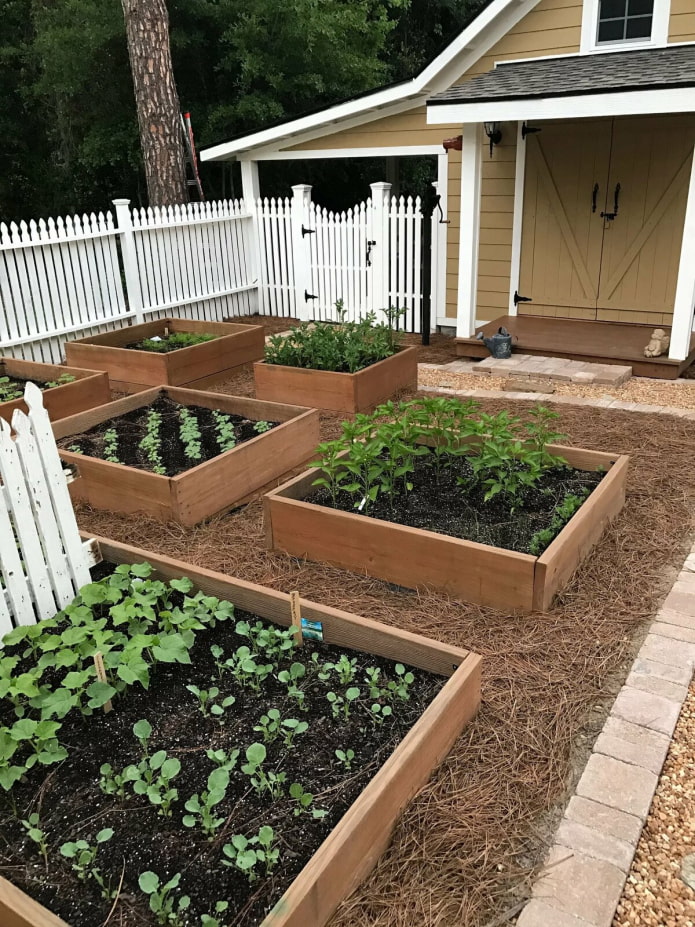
[43, 562]
[73, 277]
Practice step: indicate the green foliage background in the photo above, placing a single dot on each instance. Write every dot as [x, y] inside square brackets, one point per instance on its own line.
[68, 124]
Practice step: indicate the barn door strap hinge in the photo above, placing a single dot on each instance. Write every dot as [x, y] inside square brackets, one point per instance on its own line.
[306, 231]
[308, 296]
[529, 130]
[616, 199]
[521, 299]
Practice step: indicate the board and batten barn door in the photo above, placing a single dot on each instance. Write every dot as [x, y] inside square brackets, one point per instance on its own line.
[650, 166]
[567, 166]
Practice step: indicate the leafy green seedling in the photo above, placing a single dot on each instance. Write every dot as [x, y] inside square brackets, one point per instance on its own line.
[34, 831]
[167, 909]
[346, 757]
[248, 853]
[209, 920]
[379, 713]
[152, 777]
[261, 427]
[400, 687]
[83, 858]
[207, 704]
[223, 759]
[290, 678]
[342, 704]
[269, 725]
[262, 781]
[304, 801]
[201, 807]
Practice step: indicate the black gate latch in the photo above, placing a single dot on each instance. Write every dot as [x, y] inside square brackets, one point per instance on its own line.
[308, 296]
[521, 299]
[307, 231]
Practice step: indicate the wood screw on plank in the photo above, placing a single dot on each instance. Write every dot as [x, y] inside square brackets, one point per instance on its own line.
[296, 618]
[101, 675]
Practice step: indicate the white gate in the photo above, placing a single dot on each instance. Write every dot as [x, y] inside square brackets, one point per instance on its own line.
[43, 561]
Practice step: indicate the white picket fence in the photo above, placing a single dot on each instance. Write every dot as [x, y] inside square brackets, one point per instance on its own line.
[68, 278]
[43, 561]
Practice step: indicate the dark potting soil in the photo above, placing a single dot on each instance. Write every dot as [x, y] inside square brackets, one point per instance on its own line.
[72, 806]
[437, 502]
[131, 428]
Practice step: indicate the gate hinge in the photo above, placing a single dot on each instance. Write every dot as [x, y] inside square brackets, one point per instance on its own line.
[308, 296]
[307, 231]
[521, 299]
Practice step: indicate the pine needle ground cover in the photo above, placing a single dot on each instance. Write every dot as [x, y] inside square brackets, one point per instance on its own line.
[466, 848]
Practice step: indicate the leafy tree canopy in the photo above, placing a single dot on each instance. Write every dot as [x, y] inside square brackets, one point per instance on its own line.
[68, 119]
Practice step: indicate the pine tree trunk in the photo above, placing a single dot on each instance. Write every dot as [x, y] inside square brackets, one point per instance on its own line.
[157, 100]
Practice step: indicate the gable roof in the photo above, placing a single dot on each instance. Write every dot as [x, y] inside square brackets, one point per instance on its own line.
[624, 70]
[489, 26]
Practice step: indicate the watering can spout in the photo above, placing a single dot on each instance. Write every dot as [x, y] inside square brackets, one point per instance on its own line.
[499, 345]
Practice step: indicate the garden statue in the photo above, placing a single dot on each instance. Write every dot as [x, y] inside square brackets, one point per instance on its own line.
[658, 343]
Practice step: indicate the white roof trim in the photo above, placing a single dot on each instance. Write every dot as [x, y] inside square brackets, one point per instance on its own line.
[618, 103]
[486, 29]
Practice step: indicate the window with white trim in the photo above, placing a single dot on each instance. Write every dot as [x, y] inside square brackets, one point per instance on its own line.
[624, 21]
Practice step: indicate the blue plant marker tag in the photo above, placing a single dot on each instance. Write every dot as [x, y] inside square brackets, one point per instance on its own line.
[312, 630]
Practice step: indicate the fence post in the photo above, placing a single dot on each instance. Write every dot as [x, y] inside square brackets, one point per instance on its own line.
[380, 245]
[301, 250]
[124, 225]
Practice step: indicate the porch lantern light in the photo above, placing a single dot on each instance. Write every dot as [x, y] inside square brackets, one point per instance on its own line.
[494, 133]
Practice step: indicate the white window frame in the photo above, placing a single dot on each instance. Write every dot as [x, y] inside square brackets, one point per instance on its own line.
[590, 46]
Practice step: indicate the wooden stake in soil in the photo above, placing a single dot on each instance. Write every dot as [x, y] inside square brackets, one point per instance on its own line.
[101, 675]
[296, 617]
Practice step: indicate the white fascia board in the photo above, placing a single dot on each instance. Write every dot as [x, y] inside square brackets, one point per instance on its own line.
[624, 103]
[495, 19]
[387, 151]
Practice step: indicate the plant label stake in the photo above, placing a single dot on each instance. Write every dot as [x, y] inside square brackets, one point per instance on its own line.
[101, 675]
[296, 617]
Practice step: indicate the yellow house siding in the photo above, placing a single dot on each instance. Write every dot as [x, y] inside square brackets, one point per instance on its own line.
[401, 129]
[682, 22]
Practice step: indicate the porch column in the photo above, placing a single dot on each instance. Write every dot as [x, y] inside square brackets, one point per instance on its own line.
[250, 186]
[469, 231]
[685, 288]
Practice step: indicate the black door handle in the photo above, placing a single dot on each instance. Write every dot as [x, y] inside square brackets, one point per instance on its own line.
[616, 199]
[593, 197]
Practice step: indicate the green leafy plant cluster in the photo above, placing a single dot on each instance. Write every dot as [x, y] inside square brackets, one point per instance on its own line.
[62, 380]
[173, 342]
[224, 431]
[562, 514]
[345, 347]
[10, 390]
[47, 669]
[189, 432]
[377, 452]
[111, 446]
[151, 443]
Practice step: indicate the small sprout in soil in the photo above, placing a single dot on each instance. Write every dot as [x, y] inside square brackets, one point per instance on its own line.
[270, 782]
[346, 757]
[304, 801]
[342, 704]
[290, 677]
[223, 759]
[261, 427]
[273, 642]
[269, 725]
[200, 807]
[209, 920]
[249, 853]
[291, 728]
[151, 444]
[143, 731]
[371, 676]
[62, 380]
[224, 431]
[111, 782]
[247, 671]
[111, 446]
[8, 390]
[152, 777]
[76, 449]
[207, 704]
[34, 831]
[167, 909]
[379, 713]
[344, 669]
[83, 857]
[189, 433]
[400, 687]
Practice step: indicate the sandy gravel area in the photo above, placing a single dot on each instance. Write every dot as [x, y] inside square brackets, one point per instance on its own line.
[655, 895]
[677, 393]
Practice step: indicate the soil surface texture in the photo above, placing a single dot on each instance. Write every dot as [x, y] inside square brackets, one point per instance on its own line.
[131, 428]
[72, 806]
[437, 502]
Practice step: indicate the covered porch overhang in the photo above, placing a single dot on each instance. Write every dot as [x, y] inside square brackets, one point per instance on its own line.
[627, 83]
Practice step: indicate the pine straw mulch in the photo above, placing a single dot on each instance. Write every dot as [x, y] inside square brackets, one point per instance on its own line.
[465, 850]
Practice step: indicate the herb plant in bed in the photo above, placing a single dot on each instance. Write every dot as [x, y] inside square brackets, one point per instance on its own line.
[183, 455]
[66, 389]
[171, 352]
[349, 367]
[488, 508]
[242, 777]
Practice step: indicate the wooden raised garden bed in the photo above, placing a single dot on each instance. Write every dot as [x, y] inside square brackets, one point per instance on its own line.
[196, 366]
[354, 844]
[203, 489]
[88, 389]
[464, 569]
[337, 392]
